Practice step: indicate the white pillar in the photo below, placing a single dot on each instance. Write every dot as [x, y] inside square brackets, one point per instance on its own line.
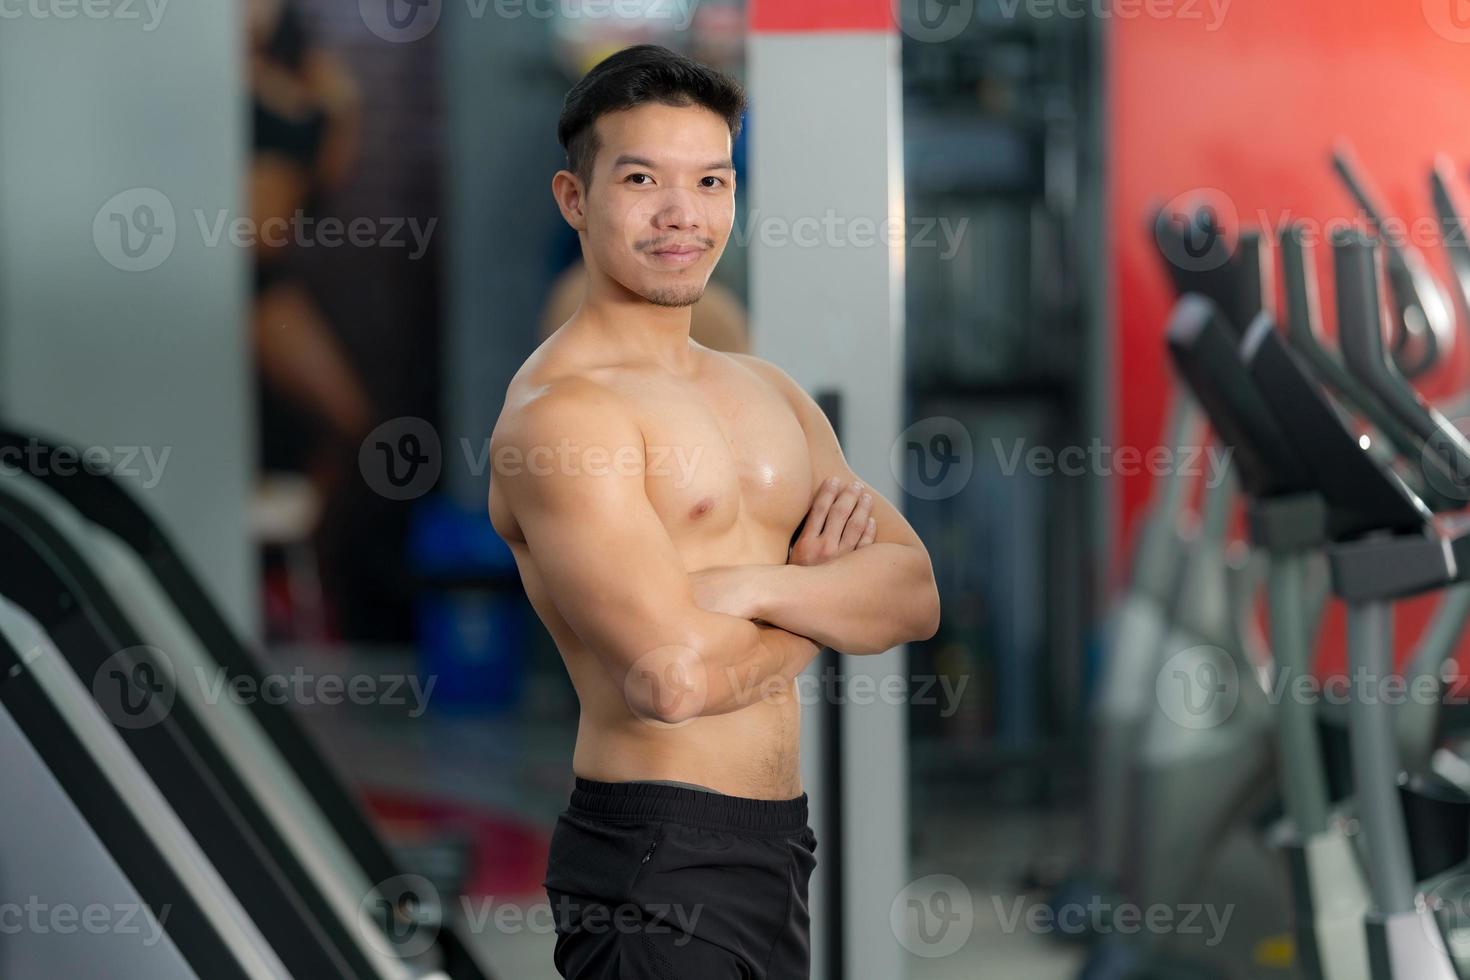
[826, 282]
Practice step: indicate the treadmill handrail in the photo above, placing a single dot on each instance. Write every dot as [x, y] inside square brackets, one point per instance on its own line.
[1361, 496]
[1304, 331]
[1360, 332]
[1420, 304]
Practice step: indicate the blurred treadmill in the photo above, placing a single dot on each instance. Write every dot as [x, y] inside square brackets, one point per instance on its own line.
[330, 853]
[85, 827]
[50, 577]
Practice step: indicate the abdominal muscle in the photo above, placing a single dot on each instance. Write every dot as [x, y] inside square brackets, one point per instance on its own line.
[752, 752]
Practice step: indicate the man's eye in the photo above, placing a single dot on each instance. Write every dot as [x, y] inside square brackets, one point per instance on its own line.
[635, 177]
[718, 181]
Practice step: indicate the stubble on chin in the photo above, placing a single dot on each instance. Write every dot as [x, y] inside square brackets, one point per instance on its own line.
[674, 298]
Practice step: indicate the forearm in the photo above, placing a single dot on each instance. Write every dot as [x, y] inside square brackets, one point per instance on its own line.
[725, 664]
[867, 601]
[740, 674]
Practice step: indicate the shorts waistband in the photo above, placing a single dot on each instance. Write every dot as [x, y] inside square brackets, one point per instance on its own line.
[714, 811]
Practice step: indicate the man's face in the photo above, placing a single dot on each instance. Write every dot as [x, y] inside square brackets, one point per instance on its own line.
[662, 200]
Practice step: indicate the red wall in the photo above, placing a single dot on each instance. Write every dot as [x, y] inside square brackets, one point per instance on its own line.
[1252, 109]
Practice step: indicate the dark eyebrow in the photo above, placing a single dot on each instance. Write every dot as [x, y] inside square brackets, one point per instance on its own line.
[628, 160]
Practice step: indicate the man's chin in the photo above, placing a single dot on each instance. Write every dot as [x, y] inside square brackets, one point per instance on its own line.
[673, 298]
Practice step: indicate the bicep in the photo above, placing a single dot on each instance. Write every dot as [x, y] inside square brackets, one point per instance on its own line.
[602, 553]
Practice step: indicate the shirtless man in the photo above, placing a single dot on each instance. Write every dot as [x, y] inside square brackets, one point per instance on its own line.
[652, 491]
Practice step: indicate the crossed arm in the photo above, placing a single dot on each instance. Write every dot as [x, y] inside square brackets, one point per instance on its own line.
[681, 645]
[857, 600]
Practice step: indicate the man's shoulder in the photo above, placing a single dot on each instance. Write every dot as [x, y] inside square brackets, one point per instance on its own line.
[775, 377]
[537, 408]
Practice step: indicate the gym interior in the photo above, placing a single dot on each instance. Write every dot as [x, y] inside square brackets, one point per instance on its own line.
[1151, 316]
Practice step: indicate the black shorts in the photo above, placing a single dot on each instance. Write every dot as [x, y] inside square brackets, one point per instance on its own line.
[652, 882]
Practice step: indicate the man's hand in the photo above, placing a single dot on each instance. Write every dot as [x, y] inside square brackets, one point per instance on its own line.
[837, 523]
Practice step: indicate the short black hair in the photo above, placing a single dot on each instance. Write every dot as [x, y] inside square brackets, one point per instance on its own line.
[636, 76]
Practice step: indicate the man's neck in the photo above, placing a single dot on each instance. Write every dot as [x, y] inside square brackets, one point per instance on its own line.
[635, 326]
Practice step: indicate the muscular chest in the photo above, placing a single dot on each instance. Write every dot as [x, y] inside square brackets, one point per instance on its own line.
[723, 451]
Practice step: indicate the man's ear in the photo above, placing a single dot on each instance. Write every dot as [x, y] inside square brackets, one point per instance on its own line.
[571, 198]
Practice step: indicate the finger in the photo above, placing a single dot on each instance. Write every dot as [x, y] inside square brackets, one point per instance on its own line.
[857, 523]
[817, 516]
[841, 510]
[870, 534]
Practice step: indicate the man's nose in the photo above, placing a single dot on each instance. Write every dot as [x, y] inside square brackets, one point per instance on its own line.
[678, 210]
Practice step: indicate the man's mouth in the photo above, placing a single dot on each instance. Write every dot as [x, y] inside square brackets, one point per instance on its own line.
[678, 254]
